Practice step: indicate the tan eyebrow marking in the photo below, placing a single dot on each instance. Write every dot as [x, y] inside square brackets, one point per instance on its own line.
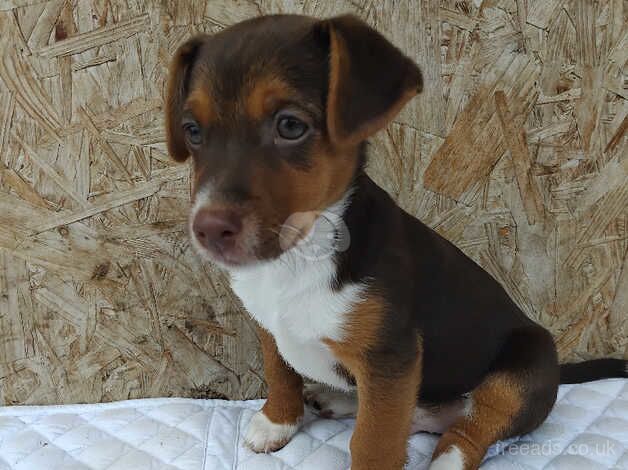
[201, 103]
[265, 94]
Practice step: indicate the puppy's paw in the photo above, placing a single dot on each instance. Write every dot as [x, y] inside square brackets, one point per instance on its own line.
[452, 459]
[263, 435]
[328, 403]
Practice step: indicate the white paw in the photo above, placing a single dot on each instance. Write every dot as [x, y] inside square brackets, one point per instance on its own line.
[328, 403]
[263, 435]
[453, 459]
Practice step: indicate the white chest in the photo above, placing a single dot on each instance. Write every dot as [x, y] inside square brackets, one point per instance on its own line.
[294, 301]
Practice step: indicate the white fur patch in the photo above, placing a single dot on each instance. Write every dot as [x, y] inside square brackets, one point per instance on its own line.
[329, 403]
[292, 297]
[263, 435]
[201, 199]
[438, 419]
[453, 459]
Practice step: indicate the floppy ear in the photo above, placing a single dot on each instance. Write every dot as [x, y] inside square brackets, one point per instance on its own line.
[370, 80]
[178, 83]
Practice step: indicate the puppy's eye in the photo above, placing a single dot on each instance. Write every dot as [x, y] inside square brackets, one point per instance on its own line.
[193, 133]
[291, 128]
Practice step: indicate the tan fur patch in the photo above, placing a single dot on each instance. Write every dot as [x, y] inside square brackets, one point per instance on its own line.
[202, 105]
[285, 387]
[385, 403]
[362, 333]
[265, 95]
[496, 403]
[338, 52]
[284, 191]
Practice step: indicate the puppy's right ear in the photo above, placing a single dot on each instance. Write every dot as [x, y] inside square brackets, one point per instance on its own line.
[178, 88]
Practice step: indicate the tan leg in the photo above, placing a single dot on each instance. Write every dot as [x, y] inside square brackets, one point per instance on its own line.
[512, 400]
[273, 427]
[496, 403]
[385, 409]
[388, 385]
[285, 386]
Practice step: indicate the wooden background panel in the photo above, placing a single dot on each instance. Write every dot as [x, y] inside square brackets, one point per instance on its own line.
[515, 151]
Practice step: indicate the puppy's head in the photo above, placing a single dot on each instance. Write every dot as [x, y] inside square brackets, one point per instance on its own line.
[272, 112]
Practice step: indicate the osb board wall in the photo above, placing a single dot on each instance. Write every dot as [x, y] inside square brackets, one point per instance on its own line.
[516, 151]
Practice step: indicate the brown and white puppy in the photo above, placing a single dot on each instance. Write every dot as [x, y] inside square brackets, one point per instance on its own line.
[348, 289]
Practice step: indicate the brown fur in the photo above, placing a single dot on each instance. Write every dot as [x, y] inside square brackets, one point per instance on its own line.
[265, 95]
[362, 335]
[385, 408]
[202, 105]
[176, 94]
[271, 188]
[398, 78]
[323, 183]
[386, 401]
[410, 339]
[496, 404]
[284, 191]
[340, 60]
[285, 387]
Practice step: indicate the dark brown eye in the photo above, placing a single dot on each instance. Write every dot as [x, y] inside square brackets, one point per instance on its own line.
[193, 133]
[291, 128]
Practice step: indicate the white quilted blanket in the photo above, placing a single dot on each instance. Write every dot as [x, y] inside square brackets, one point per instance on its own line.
[588, 429]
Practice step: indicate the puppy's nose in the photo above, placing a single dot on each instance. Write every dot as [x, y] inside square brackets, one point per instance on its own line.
[217, 229]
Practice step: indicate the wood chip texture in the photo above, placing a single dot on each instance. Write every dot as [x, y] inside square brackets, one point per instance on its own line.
[516, 152]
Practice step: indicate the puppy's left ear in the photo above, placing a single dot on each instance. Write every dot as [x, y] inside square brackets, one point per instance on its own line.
[370, 80]
[178, 84]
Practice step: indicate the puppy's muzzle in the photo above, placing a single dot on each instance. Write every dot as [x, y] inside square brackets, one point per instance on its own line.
[217, 230]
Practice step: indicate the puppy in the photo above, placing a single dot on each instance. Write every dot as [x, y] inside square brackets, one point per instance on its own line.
[348, 289]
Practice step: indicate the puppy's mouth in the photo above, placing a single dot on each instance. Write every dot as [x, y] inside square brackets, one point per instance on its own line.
[227, 258]
[249, 246]
[224, 236]
[234, 240]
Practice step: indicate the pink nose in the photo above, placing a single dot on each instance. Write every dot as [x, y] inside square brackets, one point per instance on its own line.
[217, 229]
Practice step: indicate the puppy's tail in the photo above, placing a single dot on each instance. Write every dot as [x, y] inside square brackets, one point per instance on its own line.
[597, 369]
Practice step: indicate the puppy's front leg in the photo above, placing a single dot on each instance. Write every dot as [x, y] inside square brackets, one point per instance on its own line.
[386, 404]
[272, 428]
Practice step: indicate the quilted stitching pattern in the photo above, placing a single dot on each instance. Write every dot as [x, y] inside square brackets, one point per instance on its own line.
[588, 429]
